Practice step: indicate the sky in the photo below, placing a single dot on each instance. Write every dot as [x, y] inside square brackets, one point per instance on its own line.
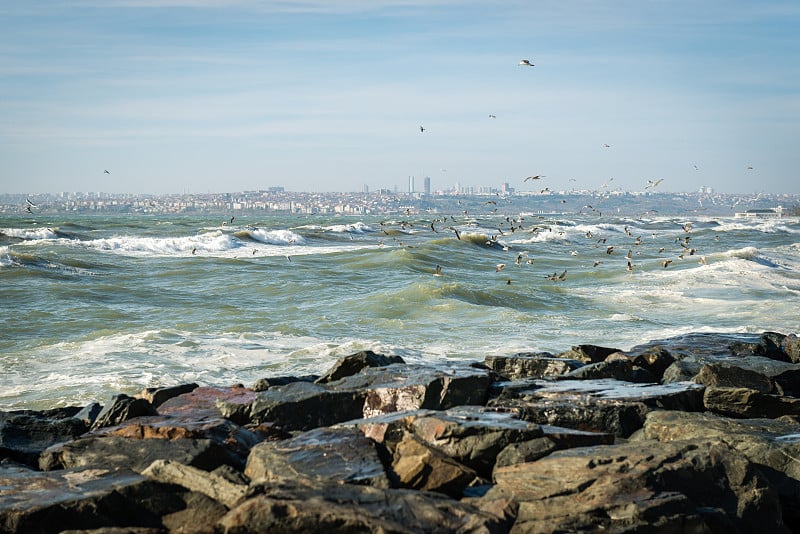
[198, 96]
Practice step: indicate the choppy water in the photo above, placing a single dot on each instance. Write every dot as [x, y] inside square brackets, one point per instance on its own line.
[93, 306]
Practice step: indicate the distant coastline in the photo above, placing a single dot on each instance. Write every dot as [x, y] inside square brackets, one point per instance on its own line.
[276, 201]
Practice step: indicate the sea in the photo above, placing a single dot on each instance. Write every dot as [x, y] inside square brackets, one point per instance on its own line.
[96, 305]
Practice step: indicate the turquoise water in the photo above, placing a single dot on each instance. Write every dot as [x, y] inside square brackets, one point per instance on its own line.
[93, 306]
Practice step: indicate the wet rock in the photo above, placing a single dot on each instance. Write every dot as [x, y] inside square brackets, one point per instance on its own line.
[749, 403]
[263, 384]
[621, 369]
[568, 438]
[304, 405]
[92, 498]
[773, 445]
[210, 402]
[713, 346]
[608, 406]
[324, 507]
[25, 434]
[135, 454]
[473, 436]
[412, 387]
[354, 363]
[234, 440]
[717, 375]
[158, 396]
[588, 353]
[121, 408]
[341, 454]
[212, 485]
[530, 365]
[416, 465]
[637, 486]
[88, 414]
[656, 360]
[790, 345]
[785, 376]
[525, 451]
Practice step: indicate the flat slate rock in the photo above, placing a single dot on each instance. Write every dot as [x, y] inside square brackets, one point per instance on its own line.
[340, 454]
[90, 498]
[108, 452]
[324, 507]
[637, 487]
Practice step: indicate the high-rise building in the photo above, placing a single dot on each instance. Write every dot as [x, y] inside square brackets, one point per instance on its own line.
[427, 185]
[410, 184]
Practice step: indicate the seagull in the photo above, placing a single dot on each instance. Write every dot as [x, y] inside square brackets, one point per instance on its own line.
[500, 267]
[454, 229]
[492, 116]
[630, 267]
[609, 250]
[666, 263]
[438, 271]
[537, 177]
[653, 183]
[606, 145]
[28, 209]
[31, 204]
[525, 63]
[106, 172]
[194, 251]
[421, 128]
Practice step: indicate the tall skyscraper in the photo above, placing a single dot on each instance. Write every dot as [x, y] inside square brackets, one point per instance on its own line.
[427, 185]
[410, 184]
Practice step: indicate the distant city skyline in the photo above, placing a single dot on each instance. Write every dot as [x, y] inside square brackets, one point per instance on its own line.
[175, 96]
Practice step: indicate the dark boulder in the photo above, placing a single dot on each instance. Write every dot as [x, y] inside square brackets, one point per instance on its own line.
[25, 434]
[530, 365]
[320, 507]
[158, 396]
[341, 454]
[354, 363]
[121, 408]
[637, 487]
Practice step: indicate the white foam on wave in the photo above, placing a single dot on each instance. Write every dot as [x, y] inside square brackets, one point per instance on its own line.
[273, 237]
[354, 228]
[209, 242]
[33, 234]
[79, 372]
[767, 226]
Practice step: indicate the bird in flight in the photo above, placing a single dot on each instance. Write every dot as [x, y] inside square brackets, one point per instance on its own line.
[421, 128]
[492, 116]
[106, 171]
[525, 63]
[606, 145]
[537, 177]
[653, 183]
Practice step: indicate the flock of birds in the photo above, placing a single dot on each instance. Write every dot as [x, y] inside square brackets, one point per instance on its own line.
[682, 246]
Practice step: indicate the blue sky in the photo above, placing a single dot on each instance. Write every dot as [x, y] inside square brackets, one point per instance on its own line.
[213, 96]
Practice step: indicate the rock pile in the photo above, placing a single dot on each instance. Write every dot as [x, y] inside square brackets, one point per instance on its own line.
[697, 433]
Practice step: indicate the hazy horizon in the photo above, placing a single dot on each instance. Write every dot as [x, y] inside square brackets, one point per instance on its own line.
[212, 95]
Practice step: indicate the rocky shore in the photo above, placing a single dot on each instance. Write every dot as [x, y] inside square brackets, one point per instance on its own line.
[697, 433]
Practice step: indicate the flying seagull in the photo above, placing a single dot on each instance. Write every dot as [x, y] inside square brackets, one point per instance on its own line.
[30, 204]
[525, 63]
[537, 177]
[106, 172]
[421, 128]
[492, 116]
[653, 183]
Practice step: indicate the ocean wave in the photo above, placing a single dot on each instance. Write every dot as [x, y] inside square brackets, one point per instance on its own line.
[31, 234]
[354, 228]
[209, 242]
[271, 237]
